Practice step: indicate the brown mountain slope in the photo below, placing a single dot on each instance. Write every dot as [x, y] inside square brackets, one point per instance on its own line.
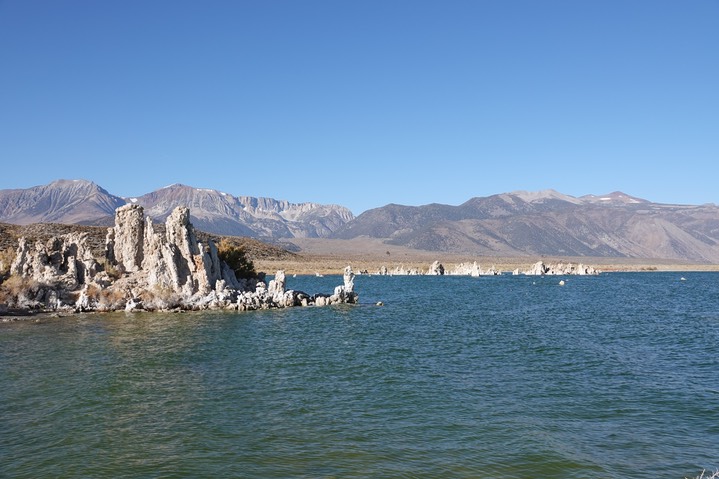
[549, 223]
[62, 201]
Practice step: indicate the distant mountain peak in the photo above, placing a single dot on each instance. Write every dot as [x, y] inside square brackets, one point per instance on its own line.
[213, 211]
[219, 212]
[543, 195]
[77, 180]
[79, 183]
[615, 197]
[61, 201]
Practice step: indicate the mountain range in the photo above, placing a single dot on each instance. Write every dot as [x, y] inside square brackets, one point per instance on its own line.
[84, 202]
[519, 223]
[549, 223]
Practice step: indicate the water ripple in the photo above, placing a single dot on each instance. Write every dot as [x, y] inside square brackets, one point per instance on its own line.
[514, 377]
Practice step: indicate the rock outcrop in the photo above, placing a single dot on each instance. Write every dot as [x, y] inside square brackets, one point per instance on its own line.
[147, 270]
[466, 269]
[436, 269]
[50, 274]
[398, 271]
[125, 240]
[472, 269]
[63, 260]
[540, 269]
[475, 270]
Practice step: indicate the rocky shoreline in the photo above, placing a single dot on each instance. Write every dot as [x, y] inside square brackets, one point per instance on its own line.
[144, 270]
[166, 268]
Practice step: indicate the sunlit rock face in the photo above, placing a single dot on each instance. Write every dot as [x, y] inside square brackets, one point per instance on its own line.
[145, 269]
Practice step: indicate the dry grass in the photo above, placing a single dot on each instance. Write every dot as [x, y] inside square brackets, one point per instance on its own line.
[111, 270]
[254, 249]
[106, 299]
[7, 256]
[17, 287]
[160, 297]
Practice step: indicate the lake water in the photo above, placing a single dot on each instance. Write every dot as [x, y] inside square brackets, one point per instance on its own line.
[615, 376]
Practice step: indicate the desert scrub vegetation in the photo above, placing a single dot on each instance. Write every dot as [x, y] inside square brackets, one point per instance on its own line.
[110, 269]
[160, 297]
[253, 248]
[236, 259]
[7, 256]
[104, 299]
[16, 289]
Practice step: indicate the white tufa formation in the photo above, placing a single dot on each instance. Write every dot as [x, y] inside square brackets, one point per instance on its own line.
[147, 270]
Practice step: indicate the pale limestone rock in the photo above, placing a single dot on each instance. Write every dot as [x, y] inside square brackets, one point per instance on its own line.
[436, 269]
[179, 231]
[194, 264]
[160, 272]
[159, 261]
[345, 292]
[209, 270]
[84, 303]
[179, 262]
[493, 271]
[127, 240]
[133, 304]
[400, 271]
[349, 280]
[537, 269]
[276, 288]
[64, 261]
[466, 269]
[540, 268]
[228, 276]
[585, 270]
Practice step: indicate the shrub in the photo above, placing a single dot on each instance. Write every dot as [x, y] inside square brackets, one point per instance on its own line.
[7, 256]
[111, 299]
[236, 259]
[111, 270]
[160, 297]
[16, 287]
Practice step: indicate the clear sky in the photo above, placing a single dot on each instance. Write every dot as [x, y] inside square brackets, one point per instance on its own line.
[364, 103]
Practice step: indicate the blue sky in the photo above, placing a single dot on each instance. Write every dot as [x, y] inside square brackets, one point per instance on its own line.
[364, 103]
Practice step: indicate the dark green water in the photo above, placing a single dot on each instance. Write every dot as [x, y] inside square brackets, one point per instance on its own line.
[614, 376]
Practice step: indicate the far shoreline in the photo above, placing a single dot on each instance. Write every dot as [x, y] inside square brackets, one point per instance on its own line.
[328, 256]
[319, 265]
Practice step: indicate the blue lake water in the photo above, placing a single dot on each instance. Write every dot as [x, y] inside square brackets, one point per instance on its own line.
[615, 376]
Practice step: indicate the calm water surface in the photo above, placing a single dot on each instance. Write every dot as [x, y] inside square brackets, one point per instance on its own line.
[613, 376]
